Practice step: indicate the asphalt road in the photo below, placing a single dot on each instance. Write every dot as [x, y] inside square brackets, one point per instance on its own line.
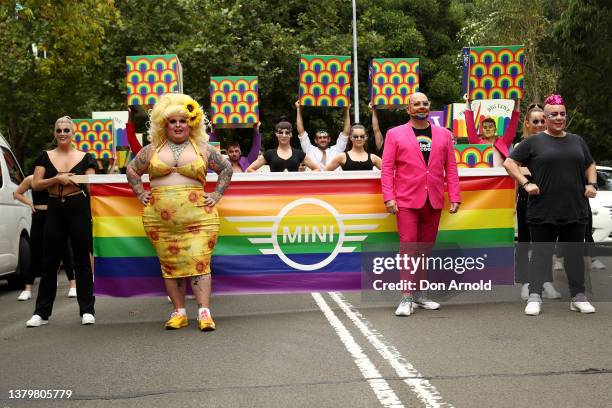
[305, 350]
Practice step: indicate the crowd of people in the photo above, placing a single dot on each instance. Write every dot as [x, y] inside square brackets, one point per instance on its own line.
[554, 171]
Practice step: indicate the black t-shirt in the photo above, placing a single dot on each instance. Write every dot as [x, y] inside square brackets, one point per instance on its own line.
[278, 164]
[424, 139]
[557, 165]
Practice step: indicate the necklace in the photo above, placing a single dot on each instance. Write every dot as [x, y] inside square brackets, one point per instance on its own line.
[177, 149]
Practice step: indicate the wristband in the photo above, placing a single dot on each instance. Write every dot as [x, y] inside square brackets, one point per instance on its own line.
[525, 183]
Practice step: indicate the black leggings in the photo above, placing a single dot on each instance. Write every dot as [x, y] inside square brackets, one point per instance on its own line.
[69, 219]
[36, 250]
[541, 257]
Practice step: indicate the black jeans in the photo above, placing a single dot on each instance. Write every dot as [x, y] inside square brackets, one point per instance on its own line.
[541, 257]
[68, 219]
[36, 250]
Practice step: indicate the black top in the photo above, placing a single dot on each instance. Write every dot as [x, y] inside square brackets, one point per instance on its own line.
[278, 164]
[424, 139]
[87, 162]
[557, 165]
[40, 197]
[357, 165]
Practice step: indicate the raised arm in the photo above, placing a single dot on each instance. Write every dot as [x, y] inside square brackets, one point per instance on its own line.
[510, 131]
[299, 121]
[346, 128]
[136, 169]
[255, 145]
[18, 194]
[378, 136]
[469, 122]
[223, 168]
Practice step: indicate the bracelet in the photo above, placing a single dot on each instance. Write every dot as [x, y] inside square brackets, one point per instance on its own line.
[524, 184]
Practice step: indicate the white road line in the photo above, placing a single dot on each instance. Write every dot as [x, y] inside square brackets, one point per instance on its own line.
[379, 385]
[426, 392]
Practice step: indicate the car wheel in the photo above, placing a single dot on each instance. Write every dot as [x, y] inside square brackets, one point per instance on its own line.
[17, 280]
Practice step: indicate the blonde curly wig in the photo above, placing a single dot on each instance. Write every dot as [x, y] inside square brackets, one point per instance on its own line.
[176, 104]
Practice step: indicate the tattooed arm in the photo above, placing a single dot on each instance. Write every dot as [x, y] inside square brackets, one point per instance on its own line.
[136, 169]
[223, 168]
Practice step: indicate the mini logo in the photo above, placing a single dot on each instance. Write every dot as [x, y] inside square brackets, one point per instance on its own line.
[307, 226]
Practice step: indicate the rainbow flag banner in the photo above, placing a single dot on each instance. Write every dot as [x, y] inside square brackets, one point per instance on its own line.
[325, 80]
[474, 156]
[150, 76]
[392, 81]
[284, 233]
[95, 136]
[498, 109]
[493, 72]
[234, 101]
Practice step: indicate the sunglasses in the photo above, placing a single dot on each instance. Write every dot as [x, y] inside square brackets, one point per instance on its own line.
[283, 132]
[359, 137]
[424, 103]
[534, 105]
[538, 122]
[555, 115]
[65, 130]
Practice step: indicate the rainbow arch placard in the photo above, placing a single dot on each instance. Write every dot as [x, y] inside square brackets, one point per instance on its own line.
[234, 101]
[493, 72]
[474, 156]
[392, 81]
[280, 234]
[95, 136]
[150, 76]
[325, 80]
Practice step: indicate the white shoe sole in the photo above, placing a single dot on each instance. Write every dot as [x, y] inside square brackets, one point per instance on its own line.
[419, 306]
[574, 308]
[42, 323]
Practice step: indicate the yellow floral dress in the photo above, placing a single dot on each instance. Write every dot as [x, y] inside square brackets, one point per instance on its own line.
[181, 228]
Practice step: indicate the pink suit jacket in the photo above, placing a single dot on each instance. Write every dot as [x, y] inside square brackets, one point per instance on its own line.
[408, 180]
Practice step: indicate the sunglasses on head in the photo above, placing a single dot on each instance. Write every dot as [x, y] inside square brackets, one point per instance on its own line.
[283, 132]
[65, 130]
[534, 105]
[359, 137]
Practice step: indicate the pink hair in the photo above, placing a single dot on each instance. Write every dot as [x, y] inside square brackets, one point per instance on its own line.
[554, 99]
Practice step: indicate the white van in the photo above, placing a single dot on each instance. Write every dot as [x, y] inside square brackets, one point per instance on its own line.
[15, 220]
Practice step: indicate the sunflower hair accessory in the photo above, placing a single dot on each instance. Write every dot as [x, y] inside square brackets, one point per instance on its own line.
[194, 112]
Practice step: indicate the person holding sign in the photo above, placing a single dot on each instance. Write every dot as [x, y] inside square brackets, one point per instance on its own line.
[284, 157]
[501, 146]
[356, 158]
[419, 158]
[180, 219]
[68, 216]
[322, 152]
[234, 153]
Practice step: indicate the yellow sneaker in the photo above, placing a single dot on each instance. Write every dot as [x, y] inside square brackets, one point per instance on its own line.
[177, 321]
[206, 323]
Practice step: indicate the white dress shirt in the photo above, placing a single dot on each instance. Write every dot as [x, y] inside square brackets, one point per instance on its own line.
[317, 154]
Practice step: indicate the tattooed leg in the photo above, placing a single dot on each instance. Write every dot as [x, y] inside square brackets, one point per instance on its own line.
[201, 286]
[176, 290]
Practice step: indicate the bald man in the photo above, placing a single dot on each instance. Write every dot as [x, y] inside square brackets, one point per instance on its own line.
[418, 159]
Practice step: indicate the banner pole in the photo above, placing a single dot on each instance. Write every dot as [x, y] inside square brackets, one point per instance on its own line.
[355, 78]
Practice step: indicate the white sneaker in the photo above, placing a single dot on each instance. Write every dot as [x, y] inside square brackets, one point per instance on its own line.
[534, 305]
[405, 307]
[525, 291]
[580, 304]
[36, 321]
[25, 295]
[557, 263]
[549, 291]
[72, 293]
[425, 303]
[597, 264]
[88, 319]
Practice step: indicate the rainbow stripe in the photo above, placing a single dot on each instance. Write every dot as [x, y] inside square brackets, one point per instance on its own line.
[261, 215]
